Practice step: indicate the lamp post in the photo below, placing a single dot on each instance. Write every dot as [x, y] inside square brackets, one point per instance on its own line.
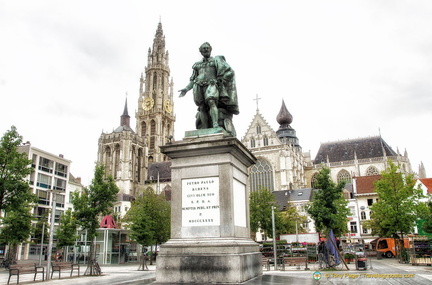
[51, 236]
[274, 238]
[42, 243]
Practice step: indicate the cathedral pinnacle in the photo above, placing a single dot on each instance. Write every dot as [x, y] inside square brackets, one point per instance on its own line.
[284, 118]
[125, 118]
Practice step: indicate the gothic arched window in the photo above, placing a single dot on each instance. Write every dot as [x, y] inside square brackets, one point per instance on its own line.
[155, 77]
[139, 164]
[261, 175]
[314, 180]
[107, 160]
[117, 161]
[363, 215]
[152, 133]
[143, 129]
[344, 175]
[252, 142]
[265, 139]
[372, 170]
[258, 129]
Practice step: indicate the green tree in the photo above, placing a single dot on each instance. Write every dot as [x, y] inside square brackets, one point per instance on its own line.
[328, 207]
[260, 206]
[427, 225]
[149, 218]
[66, 232]
[15, 193]
[41, 227]
[397, 209]
[16, 229]
[291, 221]
[14, 168]
[95, 201]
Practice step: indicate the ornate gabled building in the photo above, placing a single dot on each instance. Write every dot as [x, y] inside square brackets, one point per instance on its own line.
[281, 163]
[127, 154]
[357, 157]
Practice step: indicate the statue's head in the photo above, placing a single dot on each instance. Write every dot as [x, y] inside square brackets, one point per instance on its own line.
[205, 49]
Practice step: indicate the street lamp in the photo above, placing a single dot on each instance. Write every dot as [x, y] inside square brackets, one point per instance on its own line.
[274, 239]
[50, 244]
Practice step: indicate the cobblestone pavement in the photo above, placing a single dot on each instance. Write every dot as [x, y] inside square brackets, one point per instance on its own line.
[385, 271]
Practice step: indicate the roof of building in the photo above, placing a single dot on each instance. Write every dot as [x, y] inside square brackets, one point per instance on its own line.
[285, 196]
[123, 128]
[161, 169]
[428, 183]
[360, 148]
[365, 184]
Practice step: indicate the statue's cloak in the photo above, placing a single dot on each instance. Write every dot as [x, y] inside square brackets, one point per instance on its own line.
[227, 88]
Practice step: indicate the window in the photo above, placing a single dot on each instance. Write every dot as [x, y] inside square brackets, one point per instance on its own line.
[152, 133]
[314, 181]
[43, 197]
[344, 175]
[258, 129]
[61, 170]
[352, 211]
[143, 129]
[44, 181]
[39, 212]
[252, 142]
[372, 170]
[46, 165]
[261, 175]
[370, 202]
[265, 141]
[363, 215]
[365, 231]
[34, 160]
[59, 184]
[353, 227]
[60, 201]
[117, 161]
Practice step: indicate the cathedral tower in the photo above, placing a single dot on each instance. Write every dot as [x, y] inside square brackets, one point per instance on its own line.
[154, 118]
[122, 153]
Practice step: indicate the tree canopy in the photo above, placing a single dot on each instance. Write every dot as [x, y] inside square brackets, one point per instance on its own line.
[397, 209]
[14, 168]
[149, 218]
[290, 221]
[95, 201]
[16, 228]
[260, 206]
[66, 232]
[328, 207]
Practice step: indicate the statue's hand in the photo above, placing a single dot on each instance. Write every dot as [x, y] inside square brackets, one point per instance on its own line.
[183, 92]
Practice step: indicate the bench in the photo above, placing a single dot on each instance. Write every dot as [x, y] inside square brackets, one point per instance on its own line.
[293, 261]
[60, 265]
[265, 262]
[17, 269]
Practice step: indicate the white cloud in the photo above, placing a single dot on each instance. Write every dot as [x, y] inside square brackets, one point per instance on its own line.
[344, 68]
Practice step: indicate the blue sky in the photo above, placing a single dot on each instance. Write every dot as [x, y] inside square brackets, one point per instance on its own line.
[345, 69]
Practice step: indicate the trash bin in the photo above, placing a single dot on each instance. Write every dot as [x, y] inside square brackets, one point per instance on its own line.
[361, 263]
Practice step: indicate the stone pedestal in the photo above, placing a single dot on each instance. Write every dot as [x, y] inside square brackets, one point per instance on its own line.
[210, 234]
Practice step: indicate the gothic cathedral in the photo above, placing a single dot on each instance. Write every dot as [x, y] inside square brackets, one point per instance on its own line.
[127, 154]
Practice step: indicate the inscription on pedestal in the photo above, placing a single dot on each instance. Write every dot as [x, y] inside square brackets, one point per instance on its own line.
[200, 202]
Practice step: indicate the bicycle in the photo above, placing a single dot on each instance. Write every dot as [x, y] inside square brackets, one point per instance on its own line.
[327, 263]
[93, 267]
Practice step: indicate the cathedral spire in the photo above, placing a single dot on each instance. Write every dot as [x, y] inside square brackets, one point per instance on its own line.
[284, 118]
[125, 118]
[285, 133]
